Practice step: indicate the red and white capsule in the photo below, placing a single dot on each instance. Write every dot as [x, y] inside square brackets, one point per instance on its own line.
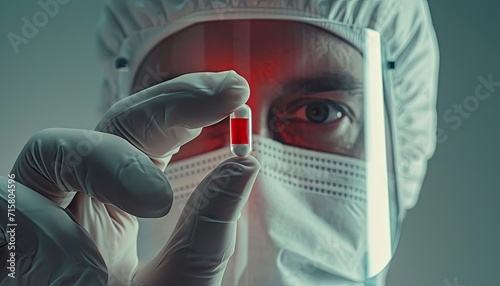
[240, 126]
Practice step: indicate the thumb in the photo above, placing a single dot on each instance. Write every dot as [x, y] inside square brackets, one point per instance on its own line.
[204, 238]
[220, 197]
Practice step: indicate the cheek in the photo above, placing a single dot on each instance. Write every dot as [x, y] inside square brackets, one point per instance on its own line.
[346, 138]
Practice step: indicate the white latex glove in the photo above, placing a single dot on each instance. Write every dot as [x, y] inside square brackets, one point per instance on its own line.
[115, 180]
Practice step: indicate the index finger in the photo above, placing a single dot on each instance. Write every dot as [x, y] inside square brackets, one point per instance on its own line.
[160, 119]
[54, 164]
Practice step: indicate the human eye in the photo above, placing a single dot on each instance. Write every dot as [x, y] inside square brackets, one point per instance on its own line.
[323, 122]
[318, 111]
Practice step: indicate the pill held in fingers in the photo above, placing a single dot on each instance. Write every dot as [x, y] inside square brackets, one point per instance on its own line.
[240, 126]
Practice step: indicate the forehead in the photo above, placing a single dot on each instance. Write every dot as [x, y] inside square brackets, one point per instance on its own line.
[254, 48]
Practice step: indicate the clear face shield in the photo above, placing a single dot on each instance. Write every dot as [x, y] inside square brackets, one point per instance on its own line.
[322, 118]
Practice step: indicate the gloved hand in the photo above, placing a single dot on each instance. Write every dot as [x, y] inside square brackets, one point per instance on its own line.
[114, 177]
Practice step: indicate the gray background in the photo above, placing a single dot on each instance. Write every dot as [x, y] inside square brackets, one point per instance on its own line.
[451, 238]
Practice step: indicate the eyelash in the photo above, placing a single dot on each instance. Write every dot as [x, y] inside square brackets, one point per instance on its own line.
[300, 104]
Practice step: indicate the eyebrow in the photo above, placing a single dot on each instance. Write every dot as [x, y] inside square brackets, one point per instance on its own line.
[329, 81]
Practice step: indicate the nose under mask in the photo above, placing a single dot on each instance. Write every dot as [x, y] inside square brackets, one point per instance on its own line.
[305, 221]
